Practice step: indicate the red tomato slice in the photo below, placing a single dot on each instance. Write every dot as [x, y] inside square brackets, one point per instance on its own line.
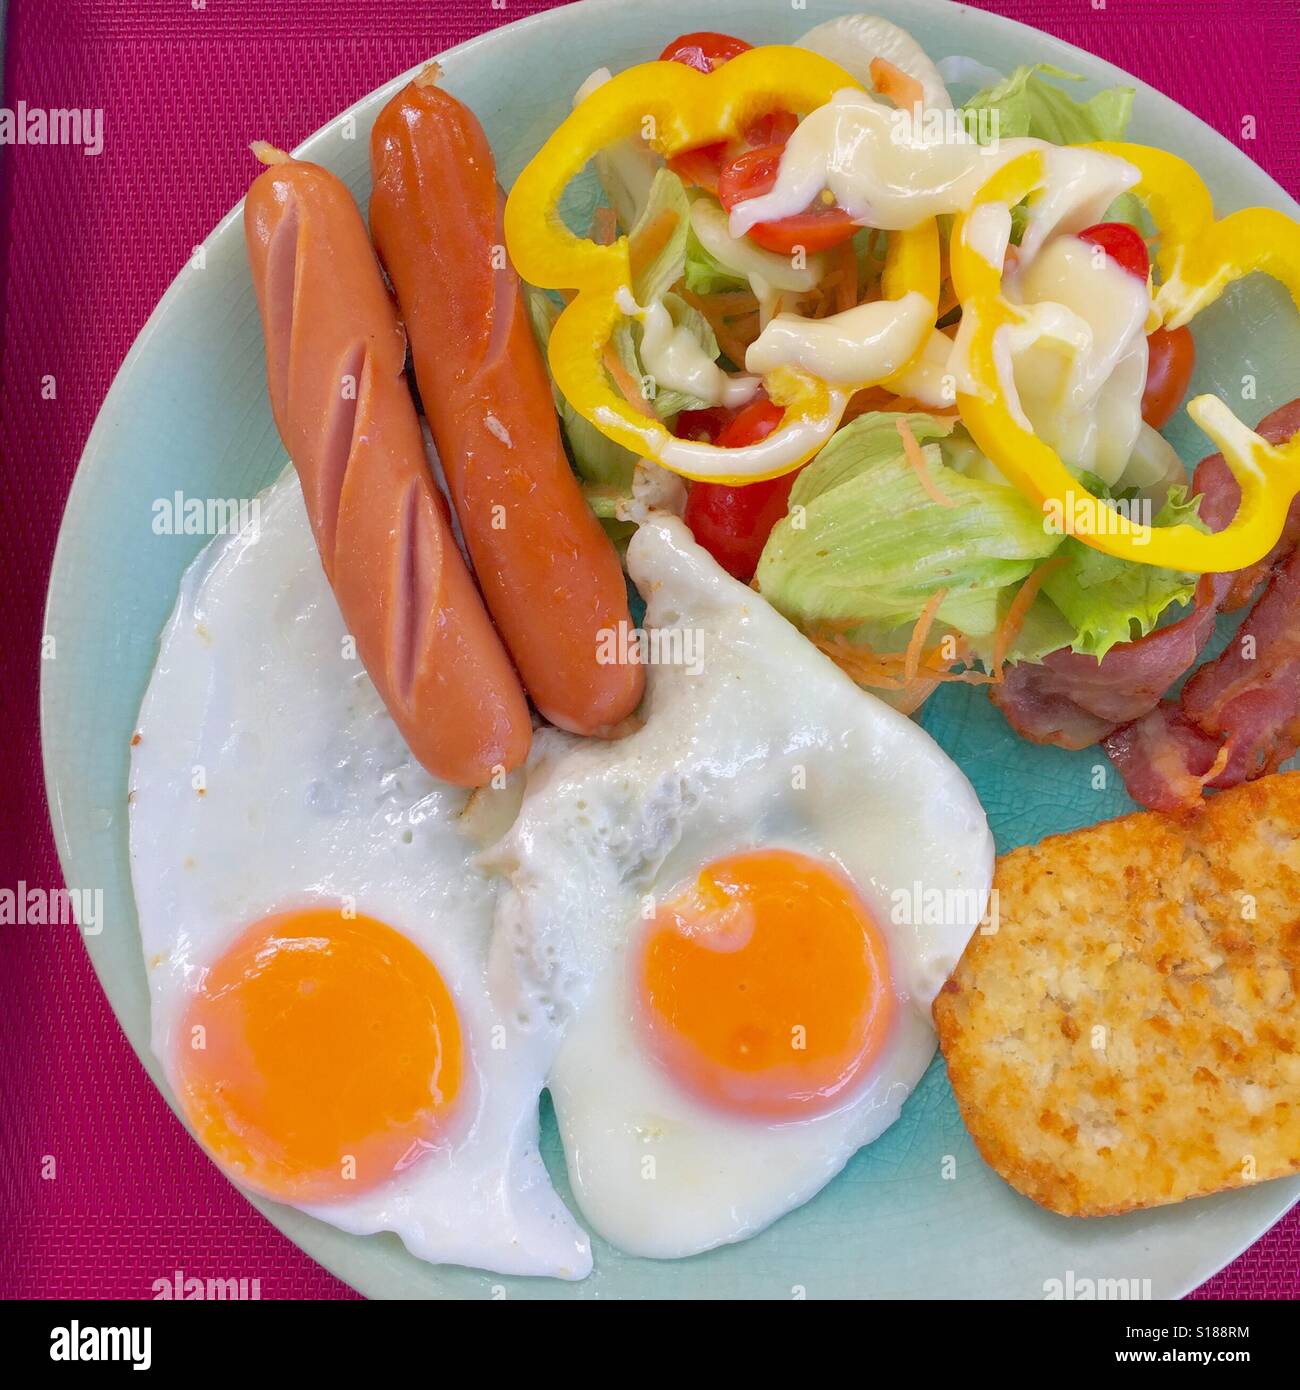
[775, 128]
[818, 229]
[703, 165]
[1123, 244]
[700, 166]
[733, 523]
[704, 51]
[702, 426]
[754, 173]
[1171, 356]
[750, 423]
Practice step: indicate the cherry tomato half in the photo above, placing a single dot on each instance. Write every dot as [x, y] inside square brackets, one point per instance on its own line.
[1171, 356]
[1123, 244]
[754, 173]
[703, 426]
[733, 523]
[703, 165]
[704, 51]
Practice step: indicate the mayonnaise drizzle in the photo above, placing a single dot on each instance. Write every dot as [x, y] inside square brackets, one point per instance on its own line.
[864, 344]
[672, 356]
[774, 454]
[1074, 370]
[892, 171]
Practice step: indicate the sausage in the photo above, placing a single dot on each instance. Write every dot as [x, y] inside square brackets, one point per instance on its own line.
[335, 353]
[549, 574]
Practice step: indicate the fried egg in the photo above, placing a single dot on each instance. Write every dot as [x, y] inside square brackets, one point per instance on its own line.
[719, 912]
[315, 931]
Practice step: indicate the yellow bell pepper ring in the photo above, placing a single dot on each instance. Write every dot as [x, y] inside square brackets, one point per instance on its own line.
[678, 108]
[1198, 259]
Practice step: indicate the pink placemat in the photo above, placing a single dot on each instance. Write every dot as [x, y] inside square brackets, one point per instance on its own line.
[101, 1191]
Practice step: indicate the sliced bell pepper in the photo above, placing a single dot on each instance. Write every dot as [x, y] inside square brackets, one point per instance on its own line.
[1198, 258]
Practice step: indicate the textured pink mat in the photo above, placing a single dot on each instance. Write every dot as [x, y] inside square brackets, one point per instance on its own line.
[87, 248]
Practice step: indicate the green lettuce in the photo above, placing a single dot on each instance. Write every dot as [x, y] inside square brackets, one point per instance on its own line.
[864, 548]
[864, 544]
[1027, 105]
[1024, 104]
[1106, 600]
[704, 273]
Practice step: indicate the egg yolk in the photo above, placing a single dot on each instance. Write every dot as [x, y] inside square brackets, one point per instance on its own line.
[321, 1053]
[765, 988]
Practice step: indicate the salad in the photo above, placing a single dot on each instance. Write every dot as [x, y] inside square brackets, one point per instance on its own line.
[903, 363]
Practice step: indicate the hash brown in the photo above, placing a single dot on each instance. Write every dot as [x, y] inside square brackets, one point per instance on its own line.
[1129, 1035]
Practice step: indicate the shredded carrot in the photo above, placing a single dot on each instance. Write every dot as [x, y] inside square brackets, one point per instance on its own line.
[869, 398]
[916, 643]
[729, 302]
[604, 226]
[1009, 627]
[878, 398]
[626, 383]
[900, 87]
[1220, 762]
[915, 694]
[859, 663]
[644, 248]
[912, 452]
[911, 676]
[729, 339]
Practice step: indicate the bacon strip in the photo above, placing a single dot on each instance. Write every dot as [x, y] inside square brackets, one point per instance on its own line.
[1073, 700]
[1238, 716]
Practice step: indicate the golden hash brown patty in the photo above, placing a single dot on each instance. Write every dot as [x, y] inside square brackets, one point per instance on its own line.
[1129, 1035]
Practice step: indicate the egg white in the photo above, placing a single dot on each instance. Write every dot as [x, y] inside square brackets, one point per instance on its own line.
[309, 795]
[759, 742]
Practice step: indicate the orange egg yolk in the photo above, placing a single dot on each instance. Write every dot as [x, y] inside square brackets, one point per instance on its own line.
[321, 1053]
[765, 988]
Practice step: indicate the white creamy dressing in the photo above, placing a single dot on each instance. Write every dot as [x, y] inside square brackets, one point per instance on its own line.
[864, 344]
[1075, 369]
[774, 454]
[892, 171]
[1085, 402]
[672, 356]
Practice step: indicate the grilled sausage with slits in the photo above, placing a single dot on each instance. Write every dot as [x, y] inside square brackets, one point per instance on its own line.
[335, 351]
[549, 573]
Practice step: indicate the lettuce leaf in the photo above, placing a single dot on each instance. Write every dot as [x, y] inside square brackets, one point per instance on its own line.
[864, 543]
[1027, 105]
[864, 547]
[704, 273]
[1106, 600]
